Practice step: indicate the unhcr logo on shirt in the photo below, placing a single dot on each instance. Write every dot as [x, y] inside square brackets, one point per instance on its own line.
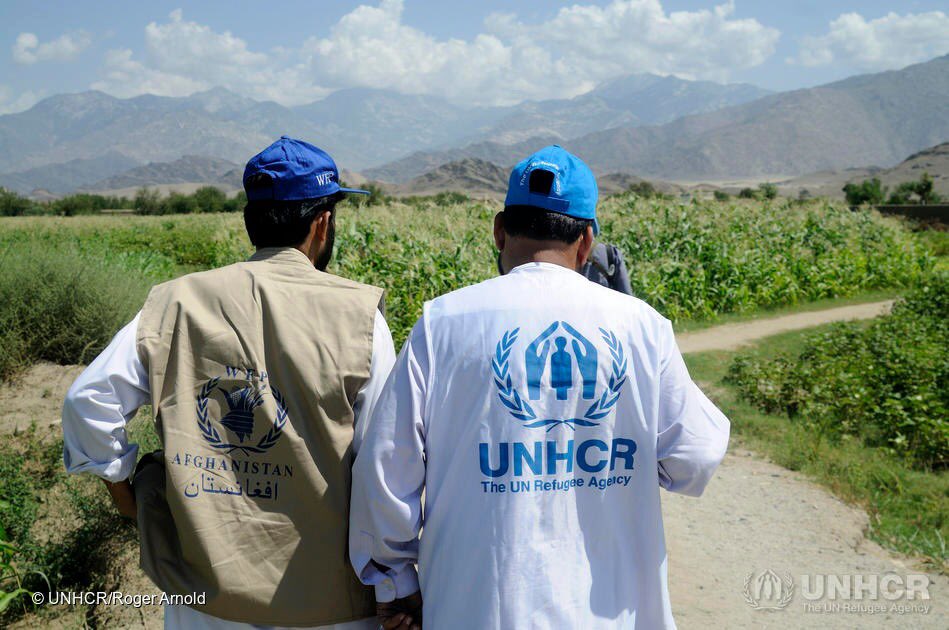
[570, 362]
[560, 386]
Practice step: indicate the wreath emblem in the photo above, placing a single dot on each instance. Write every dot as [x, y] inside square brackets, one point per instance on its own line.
[213, 437]
[781, 585]
[521, 409]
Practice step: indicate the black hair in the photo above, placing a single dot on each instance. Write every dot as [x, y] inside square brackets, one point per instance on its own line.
[276, 223]
[543, 225]
[539, 223]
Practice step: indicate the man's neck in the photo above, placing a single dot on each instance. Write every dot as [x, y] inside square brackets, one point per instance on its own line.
[552, 256]
[306, 248]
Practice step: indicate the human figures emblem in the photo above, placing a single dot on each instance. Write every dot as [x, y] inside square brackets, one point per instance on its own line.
[585, 352]
[536, 359]
[561, 369]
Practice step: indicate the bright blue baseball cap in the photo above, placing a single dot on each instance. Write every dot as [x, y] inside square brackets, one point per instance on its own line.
[573, 191]
[296, 170]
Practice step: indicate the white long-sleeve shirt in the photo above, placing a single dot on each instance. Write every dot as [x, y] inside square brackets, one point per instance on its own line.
[540, 413]
[109, 393]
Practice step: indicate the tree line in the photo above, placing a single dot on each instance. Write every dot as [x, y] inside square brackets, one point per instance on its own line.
[146, 201]
[873, 192]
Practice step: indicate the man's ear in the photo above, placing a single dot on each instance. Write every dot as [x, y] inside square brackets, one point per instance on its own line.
[499, 235]
[321, 226]
[587, 241]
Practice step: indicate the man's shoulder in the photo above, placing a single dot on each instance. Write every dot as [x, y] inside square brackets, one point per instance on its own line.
[505, 291]
[619, 300]
[220, 277]
[473, 294]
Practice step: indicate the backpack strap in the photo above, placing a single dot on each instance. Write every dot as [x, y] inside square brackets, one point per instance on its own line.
[593, 262]
[610, 261]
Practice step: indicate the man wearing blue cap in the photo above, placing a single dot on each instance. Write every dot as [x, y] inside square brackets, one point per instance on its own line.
[260, 376]
[540, 413]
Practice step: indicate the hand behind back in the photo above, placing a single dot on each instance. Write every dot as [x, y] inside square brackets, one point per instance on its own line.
[401, 614]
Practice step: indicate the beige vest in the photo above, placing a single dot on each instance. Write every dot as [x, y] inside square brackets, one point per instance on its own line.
[253, 370]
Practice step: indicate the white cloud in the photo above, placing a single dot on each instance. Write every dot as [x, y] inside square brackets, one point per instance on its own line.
[125, 77]
[564, 56]
[10, 104]
[183, 57]
[28, 50]
[892, 41]
[510, 61]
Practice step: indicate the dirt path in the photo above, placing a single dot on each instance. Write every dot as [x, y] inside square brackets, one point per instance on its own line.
[731, 336]
[36, 398]
[756, 516]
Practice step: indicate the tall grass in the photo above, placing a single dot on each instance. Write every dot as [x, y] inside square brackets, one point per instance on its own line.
[62, 304]
[691, 261]
[696, 261]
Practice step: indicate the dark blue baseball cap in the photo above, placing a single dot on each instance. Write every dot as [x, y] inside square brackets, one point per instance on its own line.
[573, 191]
[295, 170]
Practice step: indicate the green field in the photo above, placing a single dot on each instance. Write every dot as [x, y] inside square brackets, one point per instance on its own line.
[693, 262]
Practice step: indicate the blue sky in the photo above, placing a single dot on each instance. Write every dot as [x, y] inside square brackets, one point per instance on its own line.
[483, 53]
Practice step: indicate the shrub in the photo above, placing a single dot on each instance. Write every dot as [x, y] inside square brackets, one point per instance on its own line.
[643, 189]
[235, 203]
[768, 190]
[176, 203]
[748, 193]
[869, 191]
[61, 305]
[376, 197]
[885, 383]
[147, 201]
[14, 205]
[721, 195]
[920, 191]
[690, 261]
[209, 199]
[84, 203]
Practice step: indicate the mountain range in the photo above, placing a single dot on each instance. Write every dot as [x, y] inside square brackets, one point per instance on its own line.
[868, 119]
[185, 170]
[641, 125]
[60, 142]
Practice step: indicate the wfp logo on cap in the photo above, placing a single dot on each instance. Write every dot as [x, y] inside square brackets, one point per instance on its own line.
[561, 369]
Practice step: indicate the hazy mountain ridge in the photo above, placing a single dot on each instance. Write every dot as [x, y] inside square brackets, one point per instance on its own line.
[188, 169]
[876, 118]
[359, 127]
[65, 177]
[634, 100]
[469, 176]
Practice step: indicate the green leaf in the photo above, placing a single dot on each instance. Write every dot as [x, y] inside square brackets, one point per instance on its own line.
[8, 598]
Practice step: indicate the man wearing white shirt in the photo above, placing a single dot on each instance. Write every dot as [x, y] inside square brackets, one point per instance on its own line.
[261, 376]
[540, 413]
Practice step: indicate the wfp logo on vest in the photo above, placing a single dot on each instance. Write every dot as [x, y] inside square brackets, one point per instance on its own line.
[568, 363]
[237, 406]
